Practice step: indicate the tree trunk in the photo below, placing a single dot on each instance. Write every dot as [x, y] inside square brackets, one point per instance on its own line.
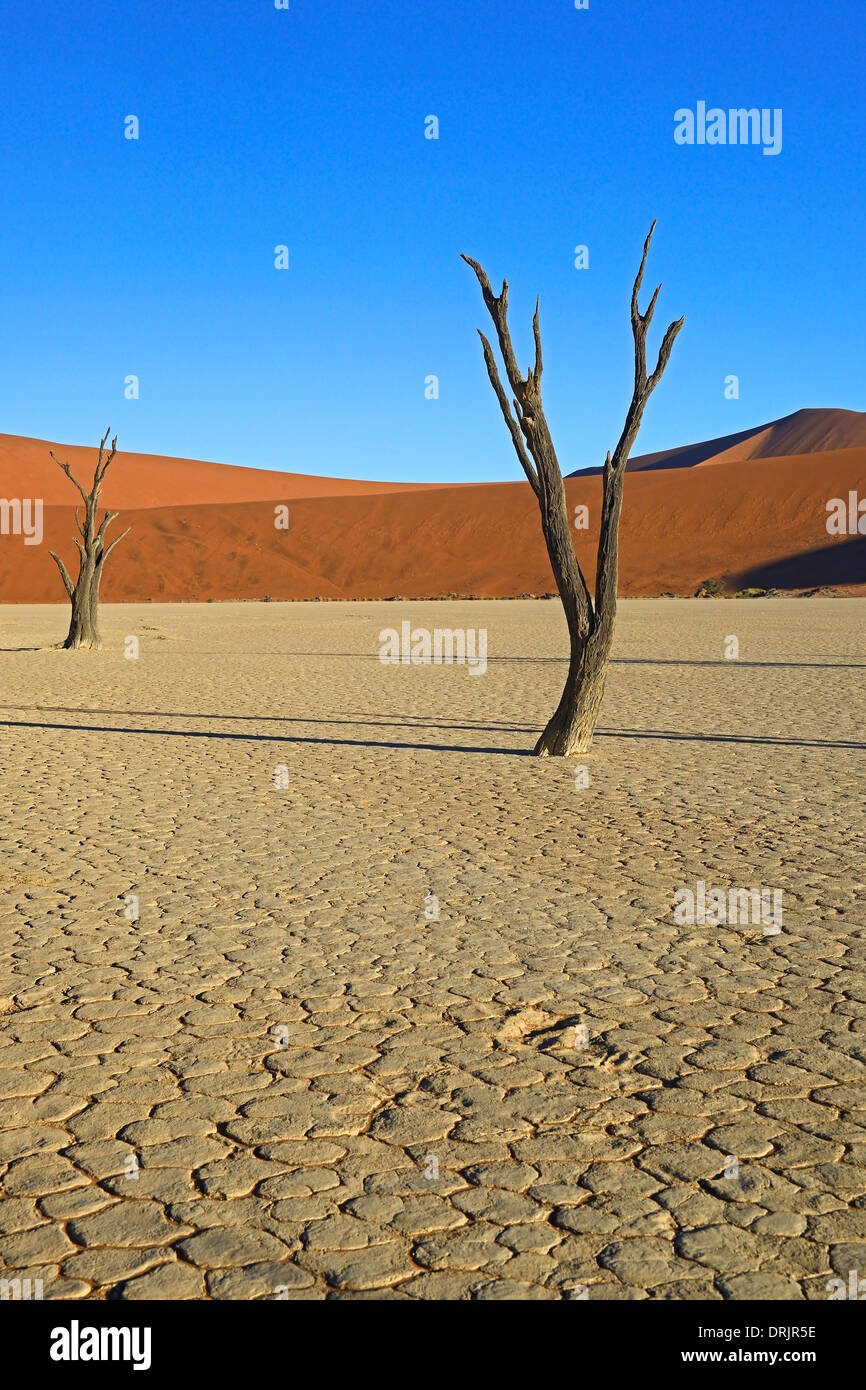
[84, 622]
[572, 725]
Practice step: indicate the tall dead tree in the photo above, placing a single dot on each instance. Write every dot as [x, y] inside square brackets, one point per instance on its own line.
[92, 553]
[590, 624]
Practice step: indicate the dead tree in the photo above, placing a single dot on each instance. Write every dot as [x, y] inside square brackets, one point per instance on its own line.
[590, 624]
[92, 553]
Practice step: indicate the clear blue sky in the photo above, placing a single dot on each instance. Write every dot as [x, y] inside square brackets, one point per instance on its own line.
[305, 127]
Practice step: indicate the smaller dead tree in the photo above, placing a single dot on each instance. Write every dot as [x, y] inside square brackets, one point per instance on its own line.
[92, 553]
[590, 624]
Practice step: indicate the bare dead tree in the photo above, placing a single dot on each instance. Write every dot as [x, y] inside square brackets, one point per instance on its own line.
[590, 624]
[92, 553]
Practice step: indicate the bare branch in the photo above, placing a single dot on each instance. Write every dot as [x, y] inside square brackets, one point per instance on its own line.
[106, 522]
[640, 322]
[101, 452]
[68, 471]
[498, 310]
[64, 574]
[651, 307]
[546, 476]
[102, 468]
[536, 374]
[664, 354]
[643, 386]
[493, 373]
[105, 554]
[635, 312]
[614, 471]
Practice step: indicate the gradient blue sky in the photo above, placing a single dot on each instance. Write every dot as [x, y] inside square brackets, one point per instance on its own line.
[306, 127]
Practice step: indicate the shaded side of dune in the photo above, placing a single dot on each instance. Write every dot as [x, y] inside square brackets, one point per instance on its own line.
[842, 562]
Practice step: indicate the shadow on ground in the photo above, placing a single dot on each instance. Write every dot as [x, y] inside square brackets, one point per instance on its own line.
[668, 735]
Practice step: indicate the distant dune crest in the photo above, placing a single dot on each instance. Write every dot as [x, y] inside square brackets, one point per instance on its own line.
[809, 431]
[153, 480]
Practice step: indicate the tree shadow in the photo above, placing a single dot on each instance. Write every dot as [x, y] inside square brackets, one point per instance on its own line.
[563, 661]
[385, 722]
[672, 736]
[264, 738]
[732, 665]
[528, 661]
[667, 735]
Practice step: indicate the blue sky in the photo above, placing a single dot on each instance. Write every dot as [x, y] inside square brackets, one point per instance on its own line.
[305, 127]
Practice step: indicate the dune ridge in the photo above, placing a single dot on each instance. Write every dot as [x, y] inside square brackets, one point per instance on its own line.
[154, 480]
[807, 431]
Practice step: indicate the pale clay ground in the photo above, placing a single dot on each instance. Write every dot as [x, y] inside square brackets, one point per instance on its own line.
[308, 1171]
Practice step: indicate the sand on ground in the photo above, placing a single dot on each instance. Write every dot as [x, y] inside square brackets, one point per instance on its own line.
[313, 983]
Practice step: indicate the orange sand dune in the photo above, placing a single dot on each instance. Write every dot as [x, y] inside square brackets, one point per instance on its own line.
[149, 480]
[760, 522]
[804, 432]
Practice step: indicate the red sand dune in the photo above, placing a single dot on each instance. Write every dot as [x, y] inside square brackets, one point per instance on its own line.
[759, 521]
[804, 432]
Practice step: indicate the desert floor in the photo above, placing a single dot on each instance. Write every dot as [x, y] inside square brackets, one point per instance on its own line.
[288, 1078]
